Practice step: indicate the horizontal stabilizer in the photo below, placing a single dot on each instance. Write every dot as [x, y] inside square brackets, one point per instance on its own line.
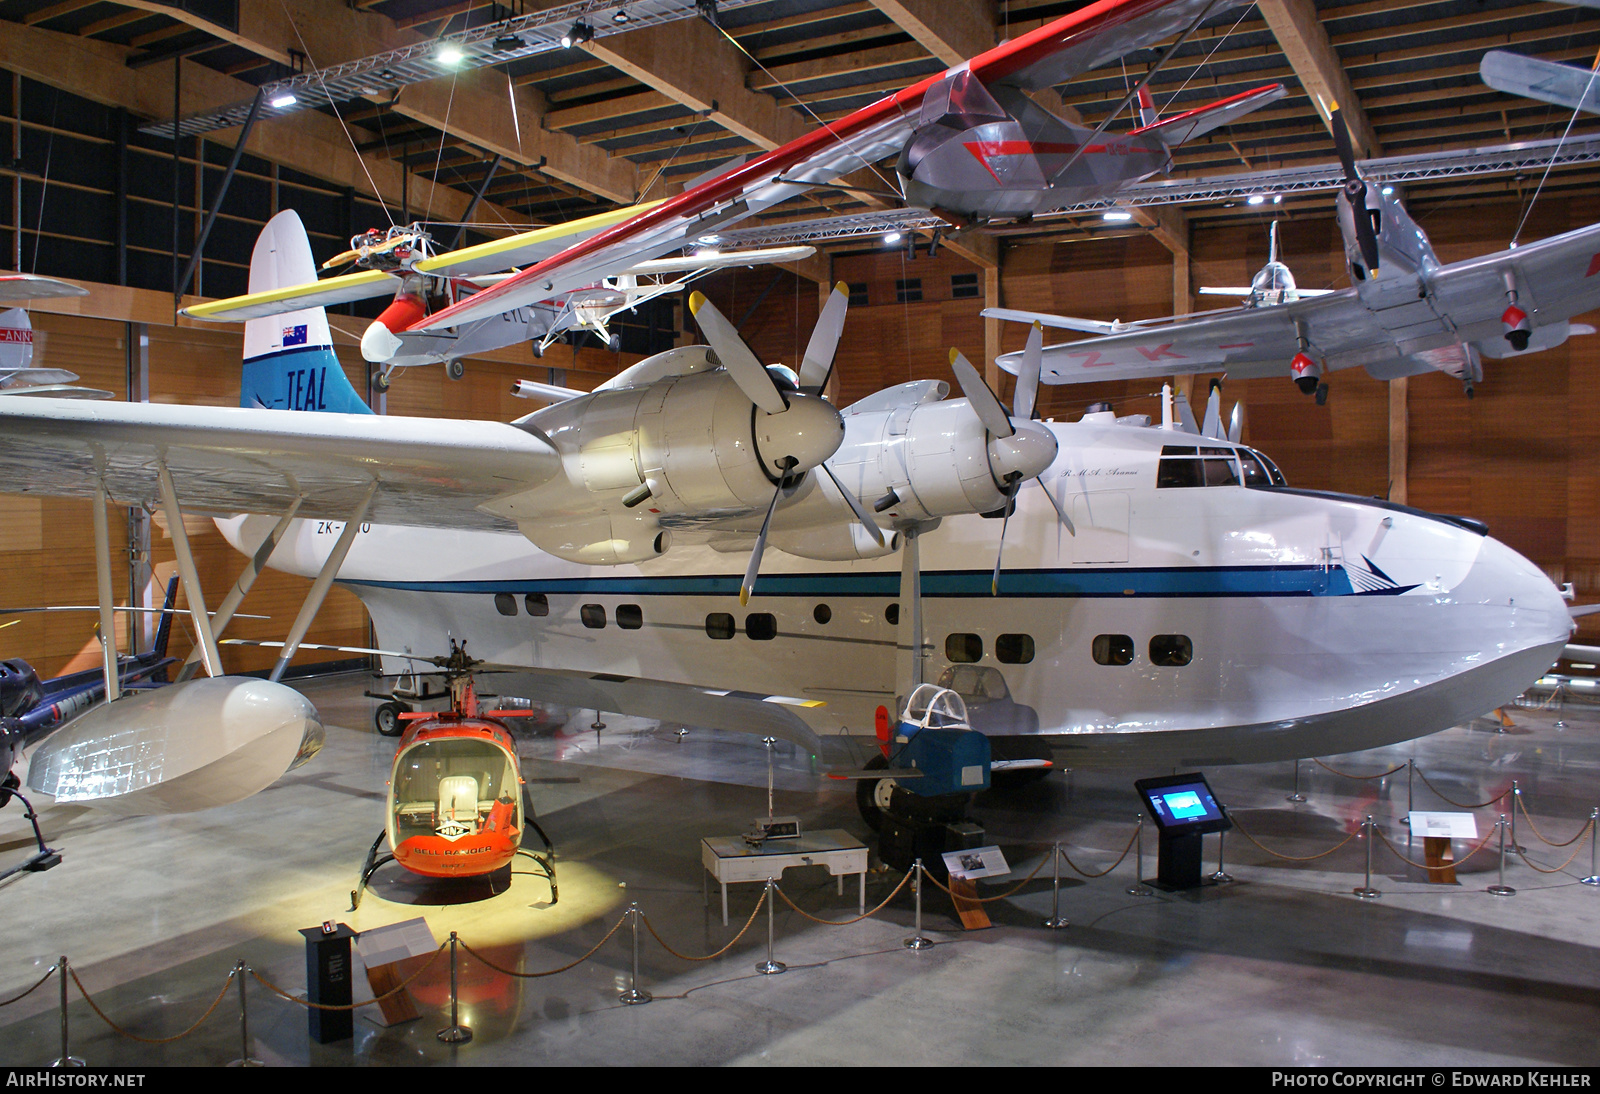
[1059, 322]
[1175, 130]
[1546, 81]
[315, 294]
[15, 288]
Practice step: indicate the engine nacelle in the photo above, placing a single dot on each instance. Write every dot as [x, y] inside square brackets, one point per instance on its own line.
[600, 541]
[179, 748]
[834, 543]
[1306, 373]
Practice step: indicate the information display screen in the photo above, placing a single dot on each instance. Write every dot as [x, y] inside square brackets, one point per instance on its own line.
[1182, 804]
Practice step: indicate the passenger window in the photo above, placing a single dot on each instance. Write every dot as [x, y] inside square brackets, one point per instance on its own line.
[593, 616]
[891, 615]
[822, 614]
[719, 625]
[630, 617]
[1171, 650]
[1014, 649]
[963, 649]
[537, 604]
[761, 626]
[505, 603]
[1113, 649]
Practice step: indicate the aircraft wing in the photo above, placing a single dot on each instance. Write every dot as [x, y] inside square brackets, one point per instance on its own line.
[316, 294]
[430, 472]
[1547, 81]
[1046, 56]
[15, 288]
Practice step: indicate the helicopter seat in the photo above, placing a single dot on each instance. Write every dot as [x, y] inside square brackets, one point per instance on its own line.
[458, 806]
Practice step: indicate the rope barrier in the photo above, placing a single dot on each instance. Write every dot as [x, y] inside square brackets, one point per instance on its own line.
[87, 998]
[36, 986]
[1559, 869]
[844, 922]
[1542, 837]
[275, 990]
[535, 975]
[1245, 832]
[1348, 775]
[1460, 805]
[1426, 866]
[998, 896]
[651, 927]
[1078, 870]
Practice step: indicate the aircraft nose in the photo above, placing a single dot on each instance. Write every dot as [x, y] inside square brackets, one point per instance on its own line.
[1539, 615]
[808, 432]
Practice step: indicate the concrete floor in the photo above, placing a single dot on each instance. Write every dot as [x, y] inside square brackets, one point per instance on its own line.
[1283, 967]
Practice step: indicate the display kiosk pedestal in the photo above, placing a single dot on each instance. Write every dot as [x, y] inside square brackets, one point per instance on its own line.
[1178, 862]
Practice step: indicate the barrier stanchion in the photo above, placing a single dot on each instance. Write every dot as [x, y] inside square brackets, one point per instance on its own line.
[769, 967]
[1502, 889]
[1056, 920]
[917, 941]
[1366, 891]
[1594, 836]
[1221, 875]
[1516, 800]
[1411, 764]
[1295, 795]
[455, 1033]
[633, 996]
[1138, 888]
[66, 1059]
[245, 1059]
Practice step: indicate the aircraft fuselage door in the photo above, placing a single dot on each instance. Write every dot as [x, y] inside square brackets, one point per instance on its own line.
[1101, 521]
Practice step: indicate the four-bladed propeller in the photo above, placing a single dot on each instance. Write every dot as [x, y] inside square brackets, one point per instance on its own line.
[1355, 191]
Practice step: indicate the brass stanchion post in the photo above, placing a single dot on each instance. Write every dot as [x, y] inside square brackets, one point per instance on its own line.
[67, 1059]
[633, 996]
[917, 941]
[1138, 888]
[1594, 834]
[245, 1059]
[1502, 889]
[1366, 891]
[1221, 875]
[769, 967]
[1516, 800]
[1296, 796]
[455, 1033]
[1411, 762]
[1056, 920]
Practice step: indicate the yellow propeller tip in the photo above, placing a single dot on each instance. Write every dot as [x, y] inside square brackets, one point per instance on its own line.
[696, 302]
[1038, 325]
[744, 596]
[842, 289]
[954, 353]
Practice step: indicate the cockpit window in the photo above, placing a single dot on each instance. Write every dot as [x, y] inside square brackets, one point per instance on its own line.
[1259, 470]
[1191, 465]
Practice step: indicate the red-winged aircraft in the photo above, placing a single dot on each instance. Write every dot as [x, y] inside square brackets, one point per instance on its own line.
[969, 141]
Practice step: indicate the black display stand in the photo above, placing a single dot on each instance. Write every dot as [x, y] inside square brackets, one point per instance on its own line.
[1184, 809]
[328, 983]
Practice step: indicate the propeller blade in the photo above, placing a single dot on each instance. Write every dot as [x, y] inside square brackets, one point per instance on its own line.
[857, 508]
[1355, 190]
[1027, 390]
[817, 364]
[994, 580]
[1072, 529]
[984, 404]
[742, 365]
[748, 585]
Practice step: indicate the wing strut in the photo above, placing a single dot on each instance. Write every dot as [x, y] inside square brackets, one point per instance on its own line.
[102, 573]
[247, 578]
[187, 572]
[324, 581]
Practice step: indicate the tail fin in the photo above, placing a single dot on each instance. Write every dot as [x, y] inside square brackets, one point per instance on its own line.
[289, 363]
[164, 628]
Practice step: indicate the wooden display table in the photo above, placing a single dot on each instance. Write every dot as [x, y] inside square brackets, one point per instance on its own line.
[730, 859]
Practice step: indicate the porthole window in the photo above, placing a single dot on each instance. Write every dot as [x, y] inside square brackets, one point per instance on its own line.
[1171, 650]
[822, 614]
[1113, 649]
[1013, 649]
[761, 626]
[891, 615]
[593, 616]
[537, 604]
[719, 625]
[505, 603]
[630, 617]
[963, 649]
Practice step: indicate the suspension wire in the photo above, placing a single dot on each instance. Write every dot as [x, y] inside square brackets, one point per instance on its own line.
[44, 182]
[687, 137]
[1242, 13]
[1594, 71]
[335, 107]
[438, 160]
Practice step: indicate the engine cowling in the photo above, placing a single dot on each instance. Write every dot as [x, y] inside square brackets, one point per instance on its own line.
[1305, 372]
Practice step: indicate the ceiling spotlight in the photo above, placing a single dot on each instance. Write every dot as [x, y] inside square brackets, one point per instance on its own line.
[1387, 190]
[620, 17]
[1255, 199]
[449, 55]
[710, 240]
[580, 32]
[1277, 199]
[1116, 215]
[281, 101]
[891, 238]
[708, 252]
[507, 42]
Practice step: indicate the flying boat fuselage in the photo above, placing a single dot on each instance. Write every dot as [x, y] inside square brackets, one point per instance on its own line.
[1195, 612]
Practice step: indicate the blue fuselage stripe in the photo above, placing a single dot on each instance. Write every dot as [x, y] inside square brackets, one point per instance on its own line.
[1196, 581]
